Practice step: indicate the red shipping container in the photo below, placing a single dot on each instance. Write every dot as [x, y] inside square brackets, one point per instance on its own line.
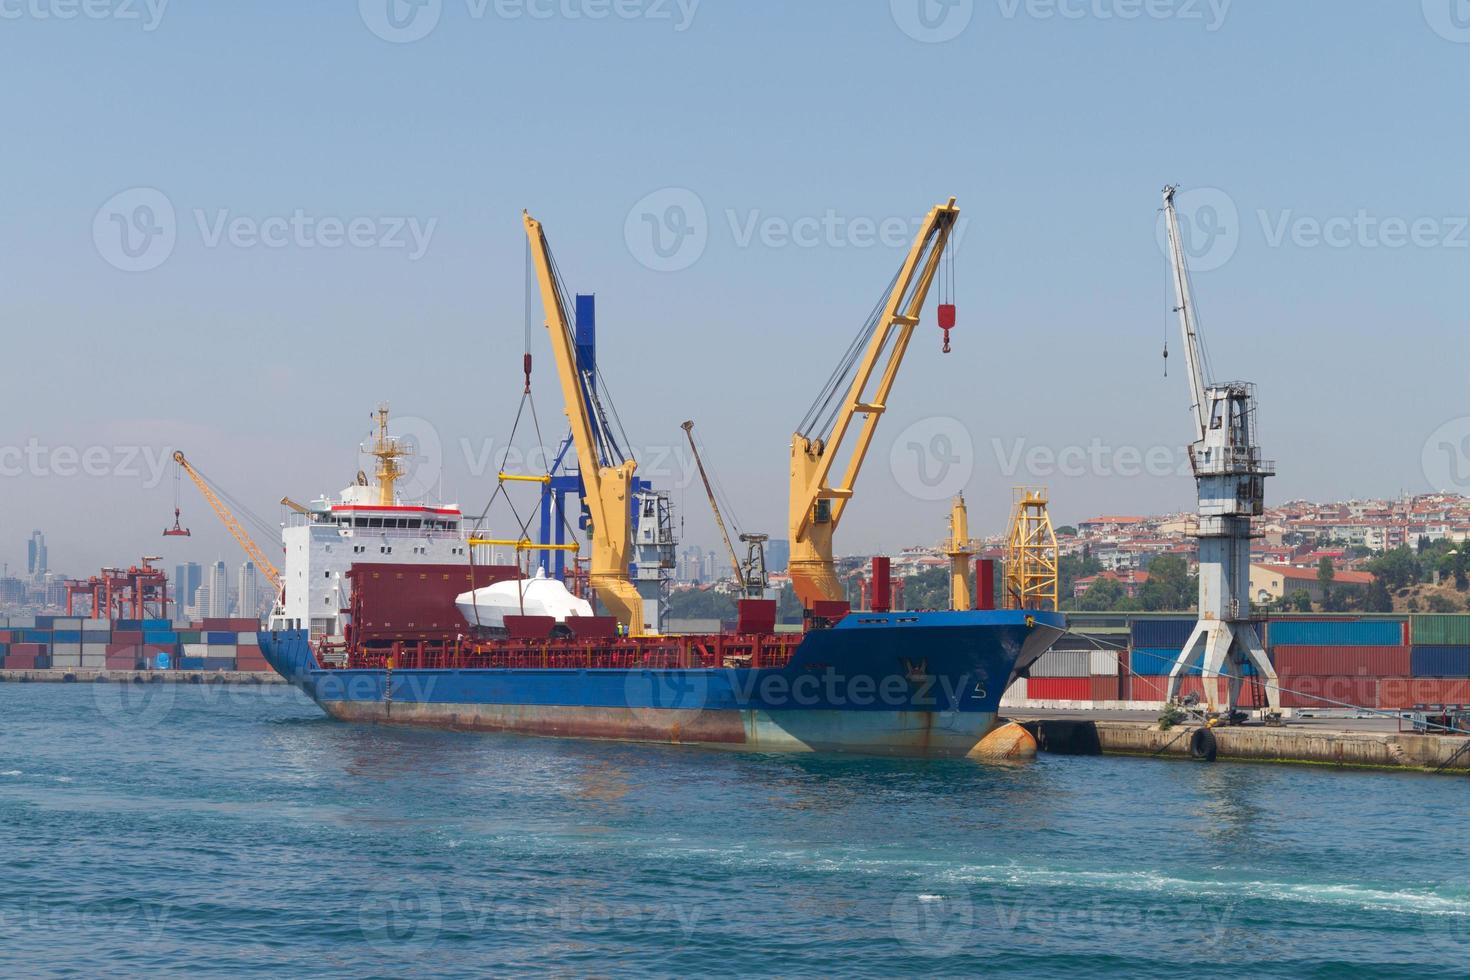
[1104, 688]
[1405, 692]
[1343, 661]
[124, 648]
[5, 636]
[20, 661]
[1059, 689]
[1313, 691]
[130, 638]
[28, 649]
[123, 661]
[222, 625]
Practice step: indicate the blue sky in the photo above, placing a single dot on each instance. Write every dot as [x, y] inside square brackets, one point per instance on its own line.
[345, 201]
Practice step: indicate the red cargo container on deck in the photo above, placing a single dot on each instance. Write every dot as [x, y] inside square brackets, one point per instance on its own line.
[1103, 688]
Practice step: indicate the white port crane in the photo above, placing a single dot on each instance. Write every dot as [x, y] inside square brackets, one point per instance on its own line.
[1231, 476]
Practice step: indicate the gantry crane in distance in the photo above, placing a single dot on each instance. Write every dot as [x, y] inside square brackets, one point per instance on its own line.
[750, 577]
[227, 517]
[608, 485]
[857, 393]
[1230, 475]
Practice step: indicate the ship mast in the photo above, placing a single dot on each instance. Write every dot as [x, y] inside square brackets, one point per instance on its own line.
[388, 451]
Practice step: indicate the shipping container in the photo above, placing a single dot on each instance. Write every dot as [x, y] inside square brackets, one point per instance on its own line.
[128, 625]
[1152, 662]
[191, 663]
[1392, 661]
[190, 636]
[160, 636]
[66, 622]
[1059, 688]
[1337, 632]
[219, 663]
[60, 637]
[1062, 663]
[1103, 688]
[66, 649]
[1103, 663]
[249, 638]
[1440, 661]
[151, 625]
[1154, 633]
[195, 651]
[216, 638]
[22, 622]
[93, 627]
[1312, 691]
[1440, 630]
[64, 660]
[1405, 692]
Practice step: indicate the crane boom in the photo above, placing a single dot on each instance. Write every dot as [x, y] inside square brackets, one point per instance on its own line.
[817, 505]
[608, 488]
[688, 428]
[1193, 351]
[266, 566]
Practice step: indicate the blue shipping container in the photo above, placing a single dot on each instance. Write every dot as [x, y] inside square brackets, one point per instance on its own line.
[221, 639]
[191, 663]
[35, 636]
[163, 638]
[1428, 661]
[1156, 633]
[44, 622]
[219, 663]
[128, 625]
[66, 636]
[1337, 632]
[1154, 661]
[157, 624]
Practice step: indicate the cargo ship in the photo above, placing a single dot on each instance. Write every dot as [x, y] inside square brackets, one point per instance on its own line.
[470, 644]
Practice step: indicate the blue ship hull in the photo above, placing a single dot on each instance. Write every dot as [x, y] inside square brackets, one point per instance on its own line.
[904, 683]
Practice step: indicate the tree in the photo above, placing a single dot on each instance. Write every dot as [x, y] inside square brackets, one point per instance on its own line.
[1325, 575]
[1398, 567]
[1377, 598]
[1439, 603]
[701, 604]
[1462, 580]
[1301, 600]
[1102, 596]
[1168, 586]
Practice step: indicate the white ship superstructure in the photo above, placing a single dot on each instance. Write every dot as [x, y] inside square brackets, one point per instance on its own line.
[364, 524]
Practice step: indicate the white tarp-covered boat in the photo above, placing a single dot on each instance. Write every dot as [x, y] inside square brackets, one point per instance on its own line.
[540, 596]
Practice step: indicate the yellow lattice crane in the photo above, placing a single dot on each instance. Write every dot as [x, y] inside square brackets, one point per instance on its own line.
[266, 566]
[817, 502]
[1031, 557]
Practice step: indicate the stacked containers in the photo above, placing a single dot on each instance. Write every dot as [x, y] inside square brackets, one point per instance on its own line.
[1439, 661]
[1061, 675]
[1103, 668]
[96, 636]
[1337, 663]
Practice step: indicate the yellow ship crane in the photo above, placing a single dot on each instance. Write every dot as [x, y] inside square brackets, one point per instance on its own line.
[608, 487]
[839, 417]
[266, 566]
[960, 550]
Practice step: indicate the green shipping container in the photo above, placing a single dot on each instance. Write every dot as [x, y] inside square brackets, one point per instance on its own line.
[1442, 630]
[189, 636]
